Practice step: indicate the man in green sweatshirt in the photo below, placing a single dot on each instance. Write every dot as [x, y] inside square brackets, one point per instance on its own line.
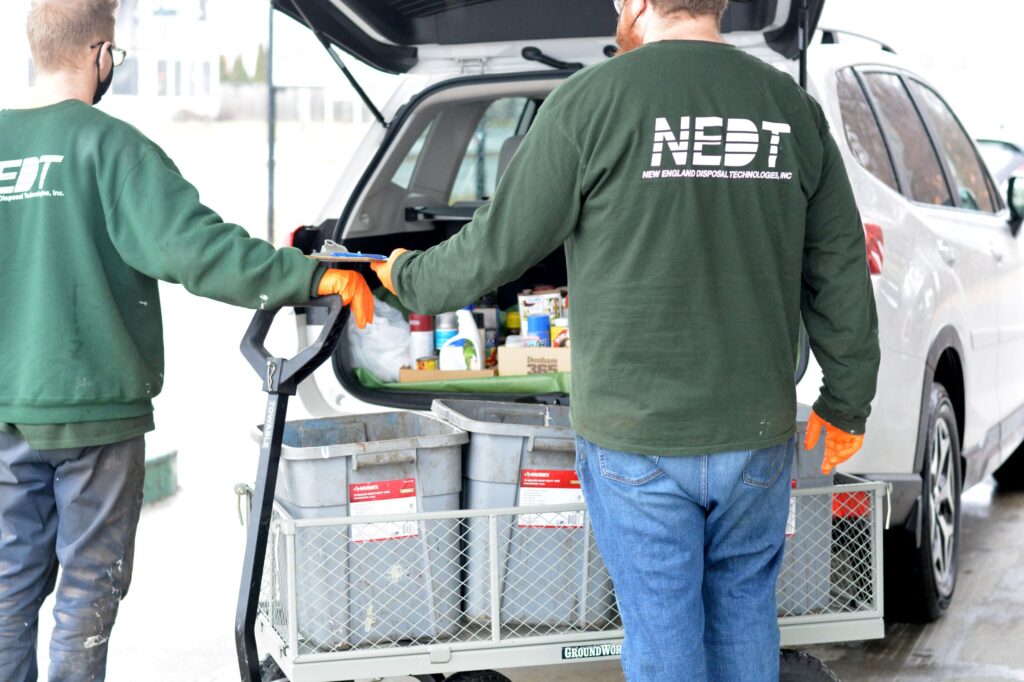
[92, 214]
[704, 207]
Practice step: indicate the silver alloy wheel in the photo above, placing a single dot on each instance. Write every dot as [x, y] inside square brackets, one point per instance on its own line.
[942, 519]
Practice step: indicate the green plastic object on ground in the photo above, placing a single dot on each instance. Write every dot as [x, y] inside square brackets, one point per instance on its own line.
[161, 479]
[557, 382]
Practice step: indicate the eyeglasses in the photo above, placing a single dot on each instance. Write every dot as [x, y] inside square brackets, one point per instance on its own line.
[116, 54]
[618, 6]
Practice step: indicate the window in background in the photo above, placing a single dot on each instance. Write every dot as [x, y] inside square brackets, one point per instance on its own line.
[968, 176]
[478, 174]
[207, 71]
[403, 176]
[862, 131]
[192, 79]
[126, 78]
[161, 78]
[911, 147]
[344, 112]
[177, 79]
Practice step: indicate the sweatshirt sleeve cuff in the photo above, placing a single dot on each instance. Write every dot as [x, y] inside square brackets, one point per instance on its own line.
[318, 274]
[846, 422]
[396, 273]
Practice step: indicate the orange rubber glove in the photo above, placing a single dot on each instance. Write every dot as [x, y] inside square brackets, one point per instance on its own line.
[839, 445]
[354, 292]
[383, 270]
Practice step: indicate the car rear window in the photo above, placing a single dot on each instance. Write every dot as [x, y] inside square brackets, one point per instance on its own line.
[968, 175]
[908, 139]
[481, 166]
[862, 131]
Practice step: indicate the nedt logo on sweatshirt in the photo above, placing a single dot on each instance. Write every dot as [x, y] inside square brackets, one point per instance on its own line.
[703, 143]
[26, 178]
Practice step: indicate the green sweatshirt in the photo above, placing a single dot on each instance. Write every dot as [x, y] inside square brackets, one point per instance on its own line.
[92, 214]
[703, 205]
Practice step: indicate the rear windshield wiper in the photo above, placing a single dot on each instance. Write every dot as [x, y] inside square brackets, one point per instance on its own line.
[533, 54]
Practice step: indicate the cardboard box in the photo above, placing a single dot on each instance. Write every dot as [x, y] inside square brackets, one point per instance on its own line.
[520, 361]
[543, 303]
[409, 376]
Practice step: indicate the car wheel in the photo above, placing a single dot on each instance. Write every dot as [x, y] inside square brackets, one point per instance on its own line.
[1010, 476]
[799, 666]
[920, 580]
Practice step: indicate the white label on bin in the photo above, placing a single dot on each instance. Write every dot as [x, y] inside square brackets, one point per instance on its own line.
[791, 521]
[542, 487]
[383, 498]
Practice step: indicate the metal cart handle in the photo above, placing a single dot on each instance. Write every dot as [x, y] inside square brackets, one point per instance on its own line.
[281, 378]
[284, 376]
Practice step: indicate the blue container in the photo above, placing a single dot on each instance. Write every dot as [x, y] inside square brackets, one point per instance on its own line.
[538, 331]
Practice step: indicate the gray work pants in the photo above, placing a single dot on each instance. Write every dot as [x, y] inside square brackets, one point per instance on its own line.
[76, 508]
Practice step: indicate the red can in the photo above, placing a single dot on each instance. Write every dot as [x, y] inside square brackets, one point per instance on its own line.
[421, 323]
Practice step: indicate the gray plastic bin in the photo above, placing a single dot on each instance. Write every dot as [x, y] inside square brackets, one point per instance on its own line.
[354, 593]
[549, 576]
[804, 580]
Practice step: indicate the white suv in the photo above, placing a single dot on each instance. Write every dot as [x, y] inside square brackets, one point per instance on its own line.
[941, 244]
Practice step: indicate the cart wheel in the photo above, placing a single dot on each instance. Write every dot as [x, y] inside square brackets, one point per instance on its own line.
[478, 676]
[270, 672]
[799, 666]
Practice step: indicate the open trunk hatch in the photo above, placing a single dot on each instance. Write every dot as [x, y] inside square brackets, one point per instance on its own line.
[395, 35]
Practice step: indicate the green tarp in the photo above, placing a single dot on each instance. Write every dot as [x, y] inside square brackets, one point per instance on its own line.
[537, 384]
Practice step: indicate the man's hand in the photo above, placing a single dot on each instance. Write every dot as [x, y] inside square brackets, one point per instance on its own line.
[383, 270]
[839, 445]
[354, 292]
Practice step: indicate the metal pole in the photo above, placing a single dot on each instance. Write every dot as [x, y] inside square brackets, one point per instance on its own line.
[803, 27]
[271, 123]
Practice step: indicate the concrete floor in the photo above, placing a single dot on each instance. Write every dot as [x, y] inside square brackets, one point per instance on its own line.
[981, 637]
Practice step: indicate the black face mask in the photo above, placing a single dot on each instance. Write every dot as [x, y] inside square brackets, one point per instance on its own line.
[102, 85]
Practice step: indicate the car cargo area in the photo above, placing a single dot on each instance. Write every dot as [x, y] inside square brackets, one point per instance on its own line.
[443, 161]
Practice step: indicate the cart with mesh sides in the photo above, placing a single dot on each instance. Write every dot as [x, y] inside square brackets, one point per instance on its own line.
[346, 623]
[847, 608]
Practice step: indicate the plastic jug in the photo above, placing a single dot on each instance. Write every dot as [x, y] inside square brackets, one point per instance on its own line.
[465, 350]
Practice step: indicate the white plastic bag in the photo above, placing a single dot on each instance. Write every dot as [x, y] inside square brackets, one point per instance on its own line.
[383, 347]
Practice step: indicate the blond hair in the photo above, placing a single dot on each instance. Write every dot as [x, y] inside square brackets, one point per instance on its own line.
[58, 30]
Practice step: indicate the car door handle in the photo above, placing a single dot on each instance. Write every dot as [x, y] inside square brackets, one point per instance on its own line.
[948, 253]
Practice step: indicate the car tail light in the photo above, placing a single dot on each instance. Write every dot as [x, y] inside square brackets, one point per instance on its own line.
[875, 244]
[851, 505]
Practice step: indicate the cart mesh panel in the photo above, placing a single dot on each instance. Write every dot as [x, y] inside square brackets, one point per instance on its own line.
[429, 588]
[830, 563]
[468, 577]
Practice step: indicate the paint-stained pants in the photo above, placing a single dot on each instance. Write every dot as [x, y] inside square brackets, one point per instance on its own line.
[76, 508]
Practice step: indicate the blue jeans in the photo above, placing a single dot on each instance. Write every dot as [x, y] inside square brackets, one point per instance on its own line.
[76, 508]
[694, 547]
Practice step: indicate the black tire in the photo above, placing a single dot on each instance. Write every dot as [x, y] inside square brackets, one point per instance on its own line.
[799, 666]
[920, 580]
[478, 676]
[1010, 476]
[271, 672]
